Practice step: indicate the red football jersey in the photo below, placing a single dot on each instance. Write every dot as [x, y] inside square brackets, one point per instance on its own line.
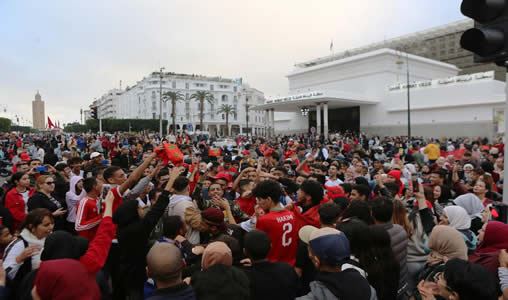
[281, 227]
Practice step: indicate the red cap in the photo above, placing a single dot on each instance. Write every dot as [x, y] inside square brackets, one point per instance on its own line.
[24, 156]
[246, 152]
[223, 175]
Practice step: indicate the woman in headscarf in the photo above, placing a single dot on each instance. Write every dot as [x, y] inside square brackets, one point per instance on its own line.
[493, 237]
[474, 209]
[63, 245]
[216, 253]
[72, 197]
[63, 279]
[445, 243]
[457, 217]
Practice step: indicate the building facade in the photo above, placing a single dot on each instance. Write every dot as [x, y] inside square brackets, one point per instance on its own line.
[141, 101]
[107, 104]
[38, 115]
[369, 92]
[439, 43]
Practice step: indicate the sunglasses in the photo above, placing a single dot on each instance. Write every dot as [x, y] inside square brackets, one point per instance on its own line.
[49, 183]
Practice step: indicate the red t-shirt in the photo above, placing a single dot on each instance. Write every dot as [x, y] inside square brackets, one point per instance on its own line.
[118, 198]
[281, 227]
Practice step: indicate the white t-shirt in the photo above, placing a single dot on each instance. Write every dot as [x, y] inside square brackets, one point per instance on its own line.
[25, 198]
[335, 182]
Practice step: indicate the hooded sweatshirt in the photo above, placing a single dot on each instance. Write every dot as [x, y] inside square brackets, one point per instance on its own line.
[177, 206]
[344, 285]
[72, 199]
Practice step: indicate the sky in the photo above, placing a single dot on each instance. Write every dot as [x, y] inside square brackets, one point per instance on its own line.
[74, 51]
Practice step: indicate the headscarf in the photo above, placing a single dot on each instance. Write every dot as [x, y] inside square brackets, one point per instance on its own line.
[397, 174]
[63, 279]
[472, 204]
[59, 245]
[494, 239]
[216, 253]
[458, 217]
[446, 243]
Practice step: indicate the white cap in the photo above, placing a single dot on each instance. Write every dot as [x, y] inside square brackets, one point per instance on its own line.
[94, 155]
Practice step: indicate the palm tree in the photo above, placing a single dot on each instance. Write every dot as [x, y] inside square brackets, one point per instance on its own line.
[202, 96]
[174, 97]
[227, 110]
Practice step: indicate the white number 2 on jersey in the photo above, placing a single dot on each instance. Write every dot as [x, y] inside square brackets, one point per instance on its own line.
[286, 241]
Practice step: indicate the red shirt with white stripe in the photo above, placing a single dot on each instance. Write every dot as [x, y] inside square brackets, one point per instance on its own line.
[88, 217]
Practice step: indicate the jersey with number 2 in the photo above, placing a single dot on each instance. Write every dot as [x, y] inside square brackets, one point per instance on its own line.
[281, 228]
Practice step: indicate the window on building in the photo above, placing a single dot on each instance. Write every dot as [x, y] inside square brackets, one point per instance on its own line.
[187, 106]
[153, 94]
[153, 115]
[235, 98]
[186, 96]
[186, 85]
[223, 117]
[154, 106]
[211, 87]
[173, 84]
[224, 98]
[164, 116]
[234, 89]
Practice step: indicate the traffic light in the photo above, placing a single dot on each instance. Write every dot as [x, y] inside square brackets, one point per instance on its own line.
[488, 40]
[94, 112]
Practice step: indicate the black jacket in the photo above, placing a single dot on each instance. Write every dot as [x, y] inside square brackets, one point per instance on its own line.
[269, 280]
[178, 292]
[40, 200]
[133, 233]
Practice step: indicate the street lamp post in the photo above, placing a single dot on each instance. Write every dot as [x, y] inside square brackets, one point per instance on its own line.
[160, 103]
[247, 114]
[408, 100]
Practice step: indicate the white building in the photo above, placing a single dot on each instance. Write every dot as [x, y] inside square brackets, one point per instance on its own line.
[368, 92]
[141, 101]
[107, 104]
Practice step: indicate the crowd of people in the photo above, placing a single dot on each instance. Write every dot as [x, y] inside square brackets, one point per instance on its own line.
[290, 217]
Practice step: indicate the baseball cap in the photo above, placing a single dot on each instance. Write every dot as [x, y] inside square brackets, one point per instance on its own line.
[223, 175]
[94, 155]
[66, 152]
[328, 244]
[246, 152]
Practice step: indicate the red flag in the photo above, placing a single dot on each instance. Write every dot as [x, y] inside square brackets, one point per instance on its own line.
[262, 149]
[170, 152]
[214, 152]
[50, 124]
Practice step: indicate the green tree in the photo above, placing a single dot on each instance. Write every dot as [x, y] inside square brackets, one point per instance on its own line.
[5, 125]
[174, 97]
[75, 127]
[201, 97]
[227, 110]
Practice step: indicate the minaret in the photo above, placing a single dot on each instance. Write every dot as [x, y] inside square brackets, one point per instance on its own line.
[38, 116]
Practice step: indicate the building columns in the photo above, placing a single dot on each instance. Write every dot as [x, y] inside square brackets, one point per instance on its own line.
[272, 121]
[325, 120]
[318, 118]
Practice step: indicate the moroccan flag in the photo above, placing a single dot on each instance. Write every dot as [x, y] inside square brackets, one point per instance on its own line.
[214, 152]
[262, 148]
[170, 153]
[50, 124]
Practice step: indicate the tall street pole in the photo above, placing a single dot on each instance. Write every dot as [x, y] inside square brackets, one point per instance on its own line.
[408, 100]
[247, 114]
[160, 104]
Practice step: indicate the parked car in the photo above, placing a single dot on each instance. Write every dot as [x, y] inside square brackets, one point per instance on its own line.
[221, 142]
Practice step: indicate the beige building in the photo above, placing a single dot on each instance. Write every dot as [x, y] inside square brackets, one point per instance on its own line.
[38, 116]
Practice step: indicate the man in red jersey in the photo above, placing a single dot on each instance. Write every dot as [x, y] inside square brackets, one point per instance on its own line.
[278, 223]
